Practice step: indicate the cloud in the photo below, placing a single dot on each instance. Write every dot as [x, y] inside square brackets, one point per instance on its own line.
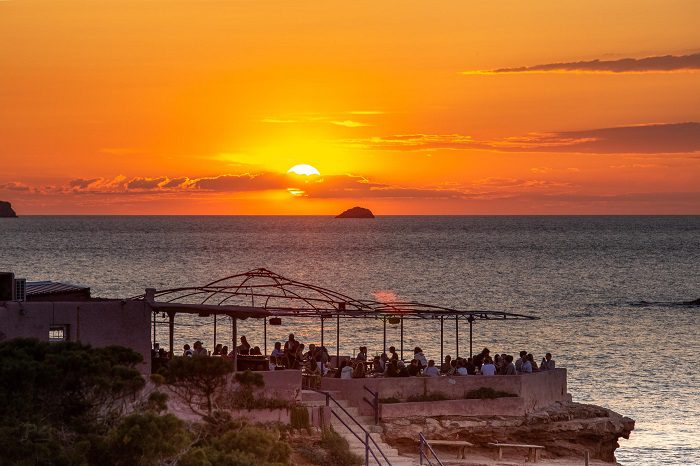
[366, 112]
[349, 123]
[666, 63]
[244, 182]
[278, 120]
[81, 183]
[145, 183]
[15, 186]
[639, 139]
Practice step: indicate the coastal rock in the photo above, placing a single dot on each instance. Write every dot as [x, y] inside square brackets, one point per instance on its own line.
[356, 212]
[565, 429]
[6, 210]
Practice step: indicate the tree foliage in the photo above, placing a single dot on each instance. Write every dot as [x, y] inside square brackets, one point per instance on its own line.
[197, 380]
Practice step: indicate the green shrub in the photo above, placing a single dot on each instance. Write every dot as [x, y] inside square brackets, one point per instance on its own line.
[429, 397]
[331, 450]
[299, 417]
[486, 393]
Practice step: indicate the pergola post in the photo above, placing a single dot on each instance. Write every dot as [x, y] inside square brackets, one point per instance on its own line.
[442, 340]
[234, 337]
[457, 334]
[171, 331]
[155, 315]
[322, 332]
[402, 338]
[265, 336]
[337, 341]
[215, 316]
[384, 349]
[471, 334]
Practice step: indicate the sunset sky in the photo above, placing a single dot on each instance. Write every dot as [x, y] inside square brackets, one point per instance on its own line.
[201, 107]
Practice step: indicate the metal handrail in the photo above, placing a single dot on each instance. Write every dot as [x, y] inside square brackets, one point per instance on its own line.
[374, 403]
[368, 437]
[424, 443]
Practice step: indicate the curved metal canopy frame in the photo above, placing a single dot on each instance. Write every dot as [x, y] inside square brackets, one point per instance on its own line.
[280, 296]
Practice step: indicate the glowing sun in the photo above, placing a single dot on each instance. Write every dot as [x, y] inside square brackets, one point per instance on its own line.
[304, 169]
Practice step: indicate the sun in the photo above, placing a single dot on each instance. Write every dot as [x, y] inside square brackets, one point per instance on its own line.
[304, 169]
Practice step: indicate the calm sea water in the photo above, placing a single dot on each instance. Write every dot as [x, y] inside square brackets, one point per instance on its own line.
[607, 290]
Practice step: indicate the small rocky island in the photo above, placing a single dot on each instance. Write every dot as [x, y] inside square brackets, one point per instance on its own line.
[356, 212]
[6, 210]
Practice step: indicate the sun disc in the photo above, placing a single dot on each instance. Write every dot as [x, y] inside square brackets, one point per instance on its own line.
[304, 169]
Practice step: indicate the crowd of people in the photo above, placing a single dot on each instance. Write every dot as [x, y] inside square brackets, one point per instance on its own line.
[315, 361]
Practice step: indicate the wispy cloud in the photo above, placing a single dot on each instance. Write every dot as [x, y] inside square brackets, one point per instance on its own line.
[349, 123]
[279, 120]
[665, 63]
[366, 112]
[641, 139]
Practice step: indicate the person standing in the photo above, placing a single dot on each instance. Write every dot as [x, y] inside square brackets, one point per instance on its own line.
[547, 363]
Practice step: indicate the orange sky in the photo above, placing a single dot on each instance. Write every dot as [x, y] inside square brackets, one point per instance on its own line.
[198, 106]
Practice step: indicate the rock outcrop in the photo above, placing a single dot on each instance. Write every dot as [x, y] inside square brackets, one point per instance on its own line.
[565, 429]
[6, 210]
[356, 212]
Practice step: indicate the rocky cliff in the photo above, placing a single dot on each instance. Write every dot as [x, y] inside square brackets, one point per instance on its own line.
[565, 429]
[6, 210]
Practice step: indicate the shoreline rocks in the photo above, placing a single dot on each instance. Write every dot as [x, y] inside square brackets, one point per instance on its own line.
[356, 212]
[565, 429]
[6, 210]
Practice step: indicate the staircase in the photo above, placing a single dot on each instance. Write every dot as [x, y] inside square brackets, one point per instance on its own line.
[312, 398]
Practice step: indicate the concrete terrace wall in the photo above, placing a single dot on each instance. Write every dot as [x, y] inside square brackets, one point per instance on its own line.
[508, 406]
[98, 323]
[537, 390]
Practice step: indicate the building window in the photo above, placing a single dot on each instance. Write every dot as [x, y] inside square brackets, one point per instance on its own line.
[58, 333]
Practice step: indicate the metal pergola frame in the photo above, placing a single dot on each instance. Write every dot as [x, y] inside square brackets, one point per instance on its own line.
[235, 296]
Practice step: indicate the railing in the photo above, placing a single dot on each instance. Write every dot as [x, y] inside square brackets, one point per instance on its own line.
[374, 403]
[424, 454]
[368, 441]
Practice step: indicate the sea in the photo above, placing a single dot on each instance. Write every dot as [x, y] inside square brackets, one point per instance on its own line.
[612, 293]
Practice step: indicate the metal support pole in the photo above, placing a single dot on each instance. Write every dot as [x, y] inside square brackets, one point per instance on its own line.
[442, 342]
[265, 335]
[155, 314]
[171, 329]
[215, 316]
[471, 335]
[322, 332]
[234, 336]
[366, 448]
[384, 349]
[402, 338]
[337, 341]
[457, 334]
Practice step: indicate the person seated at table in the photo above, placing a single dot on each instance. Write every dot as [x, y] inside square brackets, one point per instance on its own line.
[255, 351]
[199, 349]
[498, 361]
[272, 365]
[383, 361]
[187, 351]
[470, 366]
[344, 371]
[362, 355]
[547, 363]
[244, 347]
[488, 367]
[531, 359]
[403, 372]
[311, 368]
[359, 371]
[297, 359]
[509, 368]
[454, 365]
[431, 370]
[392, 369]
[519, 362]
[322, 357]
[420, 357]
[461, 368]
[277, 352]
[224, 351]
[414, 368]
[377, 365]
[526, 367]
[311, 354]
[393, 356]
[478, 360]
[446, 366]
[217, 349]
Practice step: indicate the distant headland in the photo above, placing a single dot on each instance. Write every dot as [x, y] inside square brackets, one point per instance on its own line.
[356, 212]
[6, 210]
